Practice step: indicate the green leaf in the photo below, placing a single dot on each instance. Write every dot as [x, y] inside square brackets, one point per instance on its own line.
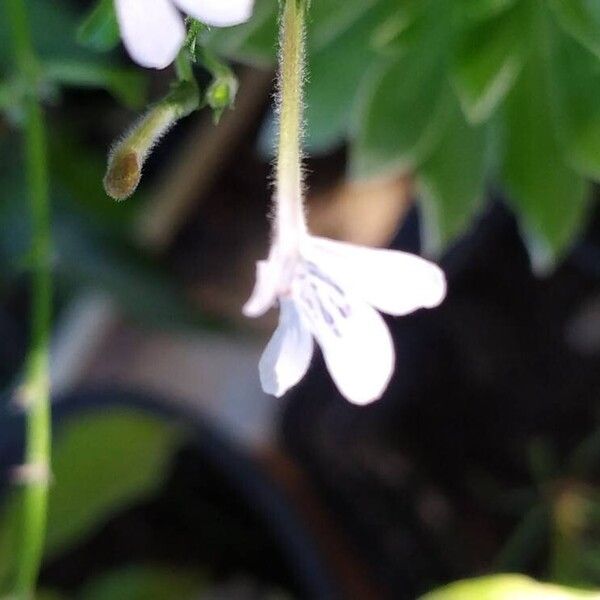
[100, 30]
[53, 31]
[329, 19]
[129, 86]
[487, 61]
[77, 172]
[336, 72]
[576, 87]
[549, 198]
[403, 116]
[147, 292]
[525, 542]
[452, 183]
[482, 9]
[145, 582]
[506, 587]
[581, 19]
[102, 463]
[398, 33]
[405, 108]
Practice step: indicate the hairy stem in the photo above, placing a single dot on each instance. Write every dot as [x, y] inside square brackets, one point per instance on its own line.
[36, 388]
[290, 219]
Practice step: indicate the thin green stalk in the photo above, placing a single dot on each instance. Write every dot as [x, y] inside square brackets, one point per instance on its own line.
[36, 388]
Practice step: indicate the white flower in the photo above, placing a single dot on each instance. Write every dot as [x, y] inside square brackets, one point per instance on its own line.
[329, 290]
[153, 30]
[326, 290]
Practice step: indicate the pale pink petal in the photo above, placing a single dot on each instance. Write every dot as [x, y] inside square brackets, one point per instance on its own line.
[152, 31]
[356, 343]
[220, 13]
[287, 355]
[394, 282]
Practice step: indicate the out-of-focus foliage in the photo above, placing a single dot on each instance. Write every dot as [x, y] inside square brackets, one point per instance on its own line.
[507, 587]
[103, 462]
[465, 94]
[100, 31]
[92, 235]
[149, 583]
[65, 62]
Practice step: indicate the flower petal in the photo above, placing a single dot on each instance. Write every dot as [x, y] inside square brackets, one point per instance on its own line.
[356, 343]
[394, 282]
[220, 13]
[265, 289]
[152, 32]
[287, 355]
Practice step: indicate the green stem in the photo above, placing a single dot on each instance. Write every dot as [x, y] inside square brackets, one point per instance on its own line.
[36, 389]
[290, 218]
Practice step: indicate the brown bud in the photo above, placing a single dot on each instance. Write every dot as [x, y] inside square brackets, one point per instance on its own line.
[123, 174]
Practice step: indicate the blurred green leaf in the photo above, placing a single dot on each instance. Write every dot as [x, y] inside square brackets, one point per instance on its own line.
[402, 30]
[526, 541]
[65, 61]
[581, 19]
[54, 31]
[90, 234]
[576, 90]
[402, 119]
[88, 257]
[487, 62]
[549, 197]
[336, 72]
[473, 10]
[103, 462]
[328, 19]
[129, 86]
[506, 587]
[452, 182]
[100, 30]
[406, 105]
[256, 41]
[77, 171]
[145, 583]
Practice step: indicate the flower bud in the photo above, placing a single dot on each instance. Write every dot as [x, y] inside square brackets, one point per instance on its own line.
[123, 174]
[221, 94]
[127, 158]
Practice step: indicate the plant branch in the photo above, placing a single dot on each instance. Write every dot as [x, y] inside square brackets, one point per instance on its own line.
[35, 473]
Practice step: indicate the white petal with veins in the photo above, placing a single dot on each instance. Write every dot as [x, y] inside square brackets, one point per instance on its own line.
[356, 344]
[220, 13]
[394, 282]
[152, 31]
[287, 355]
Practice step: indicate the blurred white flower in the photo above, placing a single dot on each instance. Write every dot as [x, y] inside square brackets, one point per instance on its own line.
[329, 290]
[153, 30]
